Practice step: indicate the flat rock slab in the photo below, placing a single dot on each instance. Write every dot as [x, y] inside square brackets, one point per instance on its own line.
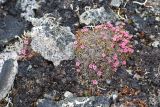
[54, 42]
[8, 70]
[116, 3]
[100, 101]
[99, 15]
[9, 28]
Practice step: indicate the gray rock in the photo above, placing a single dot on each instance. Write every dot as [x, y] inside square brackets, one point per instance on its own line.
[116, 3]
[52, 95]
[8, 70]
[9, 28]
[155, 6]
[46, 103]
[99, 15]
[155, 44]
[100, 101]
[2, 1]
[68, 94]
[28, 7]
[52, 41]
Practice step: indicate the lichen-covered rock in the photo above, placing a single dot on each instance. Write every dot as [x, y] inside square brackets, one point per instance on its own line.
[8, 70]
[99, 15]
[52, 41]
[101, 101]
[28, 7]
[116, 3]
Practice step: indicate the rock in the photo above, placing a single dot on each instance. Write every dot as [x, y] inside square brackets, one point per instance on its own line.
[115, 96]
[8, 70]
[150, 59]
[2, 1]
[28, 7]
[52, 41]
[46, 103]
[9, 28]
[146, 25]
[155, 44]
[52, 95]
[116, 3]
[99, 15]
[68, 94]
[100, 101]
[155, 6]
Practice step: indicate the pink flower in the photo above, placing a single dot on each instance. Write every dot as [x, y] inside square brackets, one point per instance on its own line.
[99, 26]
[122, 45]
[123, 62]
[115, 69]
[130, 36]
[82, 46]
[125, 41]
[113, 29]
[104, 37]
[130, 50]
[24, 52]
[75, 42]
[120, 50]
[103, 33]
[125, 50]
[78, 70]
[105, 27]
[117, 28]
[85, 29]
[109, 24]
[77, 63]
[114, 39]
[103, 55]
[115, 57]
[94, 66]
[94, 82]
[116, 64]
[112, 45]
[117, 37]
[99, 73]
[26, 42]
[126, 34]
[90, 66]
[121, 26]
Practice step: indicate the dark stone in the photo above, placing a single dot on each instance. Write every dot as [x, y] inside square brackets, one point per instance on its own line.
[38, 77]
[9, 28]
[150, 62]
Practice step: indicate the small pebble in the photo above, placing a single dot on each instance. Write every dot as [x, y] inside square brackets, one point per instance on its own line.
[108, 81]
[129, 71]
[68, 94]
[114, 96]
[155, 44]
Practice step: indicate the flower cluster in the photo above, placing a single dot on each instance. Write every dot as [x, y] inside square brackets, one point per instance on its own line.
[100, 51]
[26, 47]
